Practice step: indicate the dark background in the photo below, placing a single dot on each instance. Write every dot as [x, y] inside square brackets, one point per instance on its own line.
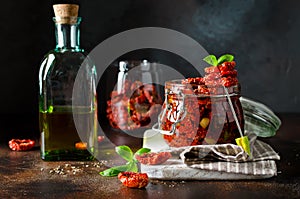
[262, 34]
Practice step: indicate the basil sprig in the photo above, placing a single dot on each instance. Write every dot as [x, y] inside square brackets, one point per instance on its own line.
[126, 153]
[213, 61]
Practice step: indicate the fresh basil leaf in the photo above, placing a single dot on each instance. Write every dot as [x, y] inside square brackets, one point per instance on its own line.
[211, 59]
[142, 151]
[110, 172]
[132, 166]
[225, 58]
[125, 152]
[114, 171]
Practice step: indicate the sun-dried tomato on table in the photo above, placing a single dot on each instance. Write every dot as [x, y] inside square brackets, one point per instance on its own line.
[202, 108]
[133, 106]
[133, 179]
[153, 158]
[21, 144]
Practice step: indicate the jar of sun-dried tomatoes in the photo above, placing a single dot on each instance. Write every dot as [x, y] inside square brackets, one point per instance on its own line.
[195, 114]
[132, 103]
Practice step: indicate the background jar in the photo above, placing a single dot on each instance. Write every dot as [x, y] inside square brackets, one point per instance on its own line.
[131, 102]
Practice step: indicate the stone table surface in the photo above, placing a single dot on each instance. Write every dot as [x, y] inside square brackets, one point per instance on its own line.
[25, 175]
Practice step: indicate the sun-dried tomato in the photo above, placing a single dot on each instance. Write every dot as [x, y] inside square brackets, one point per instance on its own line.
[153, 158]
[133, 106]
[194, 80]
[81, 145]
[100, 138]
[133, 180]
[21, 145]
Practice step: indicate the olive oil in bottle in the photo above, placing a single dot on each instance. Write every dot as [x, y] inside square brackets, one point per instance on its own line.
[67, 122]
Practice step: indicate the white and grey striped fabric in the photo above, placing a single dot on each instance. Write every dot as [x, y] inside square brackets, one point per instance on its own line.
[232, 158]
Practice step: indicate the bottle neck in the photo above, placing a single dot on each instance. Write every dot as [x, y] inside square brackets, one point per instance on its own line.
[67, 36]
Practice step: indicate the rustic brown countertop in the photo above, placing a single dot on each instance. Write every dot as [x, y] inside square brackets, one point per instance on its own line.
[25, 175]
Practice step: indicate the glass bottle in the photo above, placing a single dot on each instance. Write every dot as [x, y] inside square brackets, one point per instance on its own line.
[61, 137]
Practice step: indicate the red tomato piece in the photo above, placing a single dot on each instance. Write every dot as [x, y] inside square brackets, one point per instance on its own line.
[100, 138]
[153, 158]
[21, 145]
[212, 69]
[133, 180]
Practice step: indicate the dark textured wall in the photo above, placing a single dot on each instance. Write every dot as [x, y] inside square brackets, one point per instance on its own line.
[262, 34]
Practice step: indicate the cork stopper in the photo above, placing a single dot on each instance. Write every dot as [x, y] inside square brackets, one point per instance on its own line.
[66, 13]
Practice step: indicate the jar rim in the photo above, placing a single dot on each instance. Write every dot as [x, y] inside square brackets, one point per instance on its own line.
[177, 87]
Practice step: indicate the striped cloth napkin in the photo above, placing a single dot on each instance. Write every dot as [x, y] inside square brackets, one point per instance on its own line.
[232, 158]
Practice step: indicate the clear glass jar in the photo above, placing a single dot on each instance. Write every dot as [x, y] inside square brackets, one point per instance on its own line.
[133, 102]
[202, 117]
[60, 137]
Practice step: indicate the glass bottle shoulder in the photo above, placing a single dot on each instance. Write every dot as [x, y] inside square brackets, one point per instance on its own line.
[58, 61]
